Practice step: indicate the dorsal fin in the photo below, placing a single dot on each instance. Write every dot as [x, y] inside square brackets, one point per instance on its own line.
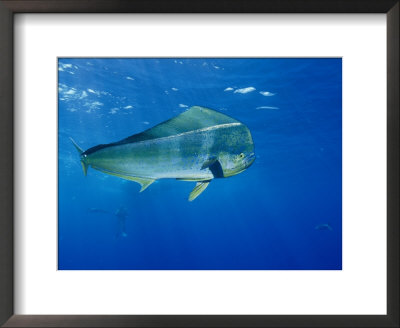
[193, 119]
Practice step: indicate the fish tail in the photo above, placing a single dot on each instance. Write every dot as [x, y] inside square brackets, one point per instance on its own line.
[80, 151]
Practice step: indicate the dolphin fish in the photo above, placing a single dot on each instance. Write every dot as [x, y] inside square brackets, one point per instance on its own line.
[198, 145]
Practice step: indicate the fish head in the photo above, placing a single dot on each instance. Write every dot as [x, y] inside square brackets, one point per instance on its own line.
[233, 163]
[239, 150]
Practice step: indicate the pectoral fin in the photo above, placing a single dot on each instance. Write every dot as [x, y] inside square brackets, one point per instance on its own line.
[210, 161]
[200, 187]
[214, 166]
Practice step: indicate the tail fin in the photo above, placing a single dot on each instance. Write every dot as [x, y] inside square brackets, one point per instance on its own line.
[80, 151]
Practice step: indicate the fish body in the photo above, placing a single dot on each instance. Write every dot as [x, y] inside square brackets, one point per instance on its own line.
[198, 145]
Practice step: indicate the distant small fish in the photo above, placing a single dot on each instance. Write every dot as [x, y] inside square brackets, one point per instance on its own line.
[97, 210]
[324, 226]
[121, 215]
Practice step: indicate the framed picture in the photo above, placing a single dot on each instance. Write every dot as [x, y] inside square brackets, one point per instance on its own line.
[190, 169]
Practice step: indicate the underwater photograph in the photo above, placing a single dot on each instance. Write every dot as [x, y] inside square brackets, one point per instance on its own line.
[199, 164]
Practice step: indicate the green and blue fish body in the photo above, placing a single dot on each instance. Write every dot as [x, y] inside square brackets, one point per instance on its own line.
[198, 145]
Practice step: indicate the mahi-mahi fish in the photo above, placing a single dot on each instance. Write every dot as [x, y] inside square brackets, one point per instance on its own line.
[198, 145]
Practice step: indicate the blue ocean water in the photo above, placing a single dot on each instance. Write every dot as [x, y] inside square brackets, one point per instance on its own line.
[282, 213]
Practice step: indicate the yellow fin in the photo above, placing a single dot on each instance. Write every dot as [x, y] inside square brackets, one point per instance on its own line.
[80, 151]
[144, 182]
[200, 187]
[84, 167]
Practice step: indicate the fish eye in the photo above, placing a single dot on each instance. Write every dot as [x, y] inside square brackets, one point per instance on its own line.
[241, 155]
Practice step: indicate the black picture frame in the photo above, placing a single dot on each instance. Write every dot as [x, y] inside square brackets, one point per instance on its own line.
[10, 7]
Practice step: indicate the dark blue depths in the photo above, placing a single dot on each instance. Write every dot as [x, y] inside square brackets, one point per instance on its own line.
[273, 216]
